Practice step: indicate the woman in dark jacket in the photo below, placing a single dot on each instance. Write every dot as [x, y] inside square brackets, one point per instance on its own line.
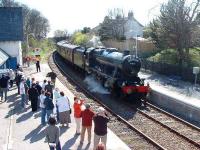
[33, 97]
[48, 102]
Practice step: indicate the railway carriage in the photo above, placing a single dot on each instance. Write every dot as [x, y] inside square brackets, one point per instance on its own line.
[117, 71]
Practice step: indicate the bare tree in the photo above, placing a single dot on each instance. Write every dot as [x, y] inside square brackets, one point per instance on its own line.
[113, 25]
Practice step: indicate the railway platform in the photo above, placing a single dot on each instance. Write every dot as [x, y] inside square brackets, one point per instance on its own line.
[21, 129]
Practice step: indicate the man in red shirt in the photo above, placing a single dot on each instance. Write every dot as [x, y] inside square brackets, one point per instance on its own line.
[87, 116]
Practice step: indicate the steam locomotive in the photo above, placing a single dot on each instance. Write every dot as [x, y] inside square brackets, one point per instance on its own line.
[117, 71]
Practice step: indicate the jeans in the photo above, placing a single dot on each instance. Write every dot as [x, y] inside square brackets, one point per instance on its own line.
[49, 112]
[43, 116]
[57, 113]
[23, 100]
[11, 83]
[4, 92]
[58, 147]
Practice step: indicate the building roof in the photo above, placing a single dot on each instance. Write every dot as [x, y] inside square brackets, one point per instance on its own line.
[3, 57]
[11, 24]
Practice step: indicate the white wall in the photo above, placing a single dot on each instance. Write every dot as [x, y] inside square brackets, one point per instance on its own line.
[132, 29]
[13, 48]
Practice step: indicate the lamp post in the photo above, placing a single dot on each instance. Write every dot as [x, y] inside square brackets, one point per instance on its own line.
[27, 42]
[136, 46]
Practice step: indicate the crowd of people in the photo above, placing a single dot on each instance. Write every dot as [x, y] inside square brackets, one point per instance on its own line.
[56, 109]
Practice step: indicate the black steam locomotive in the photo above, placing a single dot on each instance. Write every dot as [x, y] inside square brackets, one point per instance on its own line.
[117, 71]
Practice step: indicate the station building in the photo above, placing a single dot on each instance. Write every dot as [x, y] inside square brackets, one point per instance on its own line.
[11, 36]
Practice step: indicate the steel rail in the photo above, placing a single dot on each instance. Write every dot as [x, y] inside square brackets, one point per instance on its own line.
[174, 117]
[169, 128]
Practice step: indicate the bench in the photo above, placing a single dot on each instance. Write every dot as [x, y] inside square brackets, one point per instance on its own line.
[174, 80]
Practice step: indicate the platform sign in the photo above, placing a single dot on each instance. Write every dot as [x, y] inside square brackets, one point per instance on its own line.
[37, 51]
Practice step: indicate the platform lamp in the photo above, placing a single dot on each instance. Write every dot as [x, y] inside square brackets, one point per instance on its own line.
[195, 72]
[136, 46]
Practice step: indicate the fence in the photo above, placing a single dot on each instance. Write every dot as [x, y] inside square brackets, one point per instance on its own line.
[129, 44]
[186, 74]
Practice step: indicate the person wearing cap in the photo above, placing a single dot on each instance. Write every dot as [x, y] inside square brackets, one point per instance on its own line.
[77, 113]
[100, 127]
[52, 134]
[87, 116]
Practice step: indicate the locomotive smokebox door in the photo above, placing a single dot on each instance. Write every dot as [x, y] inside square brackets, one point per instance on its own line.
[131, 66]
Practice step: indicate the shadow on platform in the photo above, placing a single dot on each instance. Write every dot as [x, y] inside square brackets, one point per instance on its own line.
[36, 134]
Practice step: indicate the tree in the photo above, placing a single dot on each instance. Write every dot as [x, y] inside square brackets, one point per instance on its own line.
[175, 26]
[38, 24]
[61, 33]
[79, 38]
[86, 30]
[113, 25]
[155, 32]
[8, 3]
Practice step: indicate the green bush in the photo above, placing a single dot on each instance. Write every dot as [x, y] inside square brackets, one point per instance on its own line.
[79, 38]
[170, 56]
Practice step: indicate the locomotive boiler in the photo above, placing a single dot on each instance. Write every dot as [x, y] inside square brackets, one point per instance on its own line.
[117, 71]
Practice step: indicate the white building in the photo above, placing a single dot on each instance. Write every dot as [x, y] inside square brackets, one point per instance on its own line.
[13, 49]
[132, 27]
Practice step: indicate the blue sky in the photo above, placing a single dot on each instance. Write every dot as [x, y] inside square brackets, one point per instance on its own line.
[76, 14]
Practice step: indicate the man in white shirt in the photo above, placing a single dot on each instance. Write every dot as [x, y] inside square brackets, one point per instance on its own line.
[22, 93]
[44, 84]
[43, 109]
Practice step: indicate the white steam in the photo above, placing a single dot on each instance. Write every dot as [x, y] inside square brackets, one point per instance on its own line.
[95, 86]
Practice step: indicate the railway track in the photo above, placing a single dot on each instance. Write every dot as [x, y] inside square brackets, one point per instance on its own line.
[137, 129]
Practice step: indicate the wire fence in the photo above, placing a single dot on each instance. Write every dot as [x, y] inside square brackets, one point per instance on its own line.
[172, 71]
